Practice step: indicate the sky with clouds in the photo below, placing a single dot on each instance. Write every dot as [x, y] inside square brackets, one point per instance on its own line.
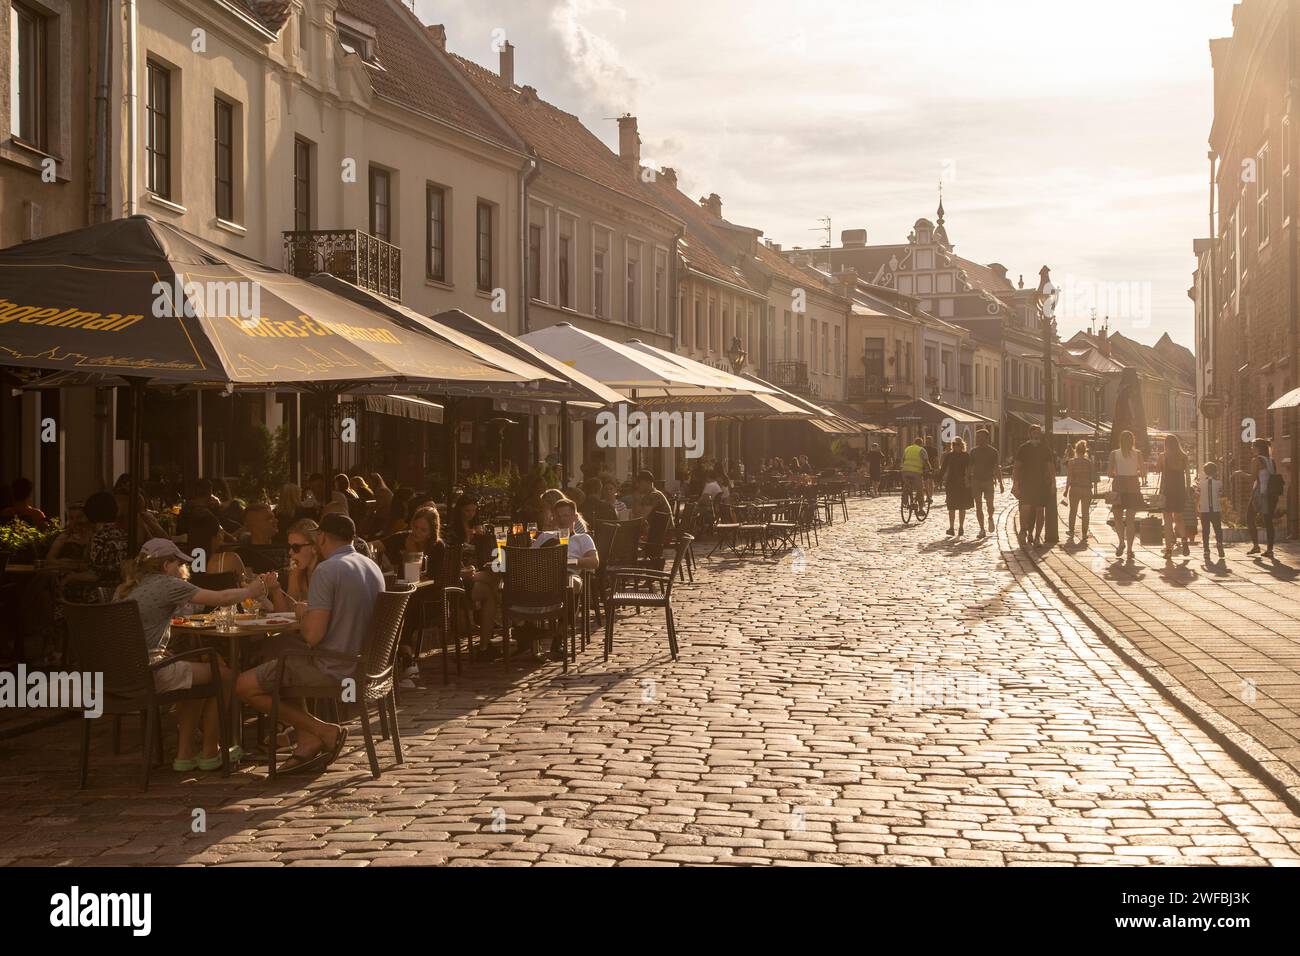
[1068, 134]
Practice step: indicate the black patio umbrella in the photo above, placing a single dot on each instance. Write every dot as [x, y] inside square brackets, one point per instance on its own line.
[138, 301]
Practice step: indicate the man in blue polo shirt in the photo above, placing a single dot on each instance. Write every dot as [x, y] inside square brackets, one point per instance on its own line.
[336, 616]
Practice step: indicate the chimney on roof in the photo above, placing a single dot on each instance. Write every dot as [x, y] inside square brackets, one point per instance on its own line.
[669, 175]
[528, 95]
[438, 34]
[1103, 338]
[853, 238]
[999, 270]
[774, 246]
[848, 276]
[506, 74]
[713, 203]
[629, 141]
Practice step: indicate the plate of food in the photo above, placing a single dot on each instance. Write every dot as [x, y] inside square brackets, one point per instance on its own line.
[273, 620]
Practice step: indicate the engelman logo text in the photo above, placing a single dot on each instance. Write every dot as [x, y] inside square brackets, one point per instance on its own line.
[653, 430]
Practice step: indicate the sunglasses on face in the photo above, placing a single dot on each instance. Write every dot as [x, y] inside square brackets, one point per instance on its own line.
[295, 548]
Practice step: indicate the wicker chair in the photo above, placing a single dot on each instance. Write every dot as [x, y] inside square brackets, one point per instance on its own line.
[662, 596]
[109, 639]
[687, 524]
[537, 591]
[374, 674]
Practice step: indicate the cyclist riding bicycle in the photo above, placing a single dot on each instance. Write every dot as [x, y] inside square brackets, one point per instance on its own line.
[916, 463]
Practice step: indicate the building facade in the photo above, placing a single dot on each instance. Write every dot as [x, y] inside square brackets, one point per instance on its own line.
[1246, 282]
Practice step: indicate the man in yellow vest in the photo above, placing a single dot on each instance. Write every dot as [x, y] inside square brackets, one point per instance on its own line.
[914, 467]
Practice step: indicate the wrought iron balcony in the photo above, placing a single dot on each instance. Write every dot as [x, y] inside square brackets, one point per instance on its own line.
[791, 376]
[348, 254]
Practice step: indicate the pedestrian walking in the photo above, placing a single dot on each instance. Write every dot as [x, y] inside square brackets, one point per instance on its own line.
[1126, 466]
[1211, 507]
[1172, 466]
[955, 474]
[1034, 484]
[984, 474]
[1079, 478]
[1264, 496]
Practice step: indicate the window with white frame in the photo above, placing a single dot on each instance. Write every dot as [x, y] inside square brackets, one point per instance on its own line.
[812, 349]
[600, 272]
[826, 347]
[536, 257]
[839, 356]
[632, 296]
[661, 289]
[1261, 196]
[564, 263]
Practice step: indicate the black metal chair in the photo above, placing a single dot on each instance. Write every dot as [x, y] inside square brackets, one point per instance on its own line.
[440, 605]
[109, 639]
[374, 670]
[686, 524]
[661, 597]
[537, 592]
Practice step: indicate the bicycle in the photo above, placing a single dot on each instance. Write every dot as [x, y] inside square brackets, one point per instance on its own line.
[914, 504]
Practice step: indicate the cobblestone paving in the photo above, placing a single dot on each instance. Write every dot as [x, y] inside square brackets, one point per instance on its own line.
[899, 700]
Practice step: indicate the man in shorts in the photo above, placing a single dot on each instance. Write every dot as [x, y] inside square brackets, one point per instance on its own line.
[345, 586]
[984, 474]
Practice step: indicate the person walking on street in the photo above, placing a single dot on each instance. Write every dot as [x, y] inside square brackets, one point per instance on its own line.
[1173, 486]
[1034, 484]
[1126, 490]
[1211, 507]
[984, 474]
[1264, 496]
[955, 474]
[1079, 477]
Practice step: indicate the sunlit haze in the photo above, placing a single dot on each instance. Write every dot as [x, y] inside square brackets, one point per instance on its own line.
[1067, 134]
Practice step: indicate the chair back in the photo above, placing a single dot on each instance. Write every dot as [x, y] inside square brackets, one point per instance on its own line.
[446, 574]
[658, 525]
[626, 546]
[536, 577]
[380, 652]
[682, 541]
[215, 581]
[109, 639]
[603, 532]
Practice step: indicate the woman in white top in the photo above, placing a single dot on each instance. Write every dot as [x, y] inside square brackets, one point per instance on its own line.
[1262, 501]
[1126, 489]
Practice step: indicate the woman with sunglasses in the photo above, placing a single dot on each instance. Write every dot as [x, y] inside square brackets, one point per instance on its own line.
[302, 562]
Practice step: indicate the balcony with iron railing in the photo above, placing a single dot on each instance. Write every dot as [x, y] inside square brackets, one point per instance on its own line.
[348, 254]
[791, 376]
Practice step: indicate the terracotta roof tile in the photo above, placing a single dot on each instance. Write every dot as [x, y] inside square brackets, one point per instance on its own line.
[702, 247]
[417, 75]
[271, 13]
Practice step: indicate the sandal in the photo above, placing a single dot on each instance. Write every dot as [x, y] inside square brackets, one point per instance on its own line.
[303, 763]
[337, 749]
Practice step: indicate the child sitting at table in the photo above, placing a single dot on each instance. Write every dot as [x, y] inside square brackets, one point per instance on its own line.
[156, 581]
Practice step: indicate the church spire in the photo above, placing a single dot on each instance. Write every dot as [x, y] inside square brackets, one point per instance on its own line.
[940, 232]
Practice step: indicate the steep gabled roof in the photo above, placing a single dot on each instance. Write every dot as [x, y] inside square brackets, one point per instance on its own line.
[557, 137]
[770, 261]
[701, 246]
[417, 75]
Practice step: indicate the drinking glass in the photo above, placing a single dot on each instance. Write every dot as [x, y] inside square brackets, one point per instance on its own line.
[532, 530]
[564, 539]
[502, 536]
[517, 528]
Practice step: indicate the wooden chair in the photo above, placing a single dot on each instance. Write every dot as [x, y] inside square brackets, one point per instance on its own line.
[109, 639]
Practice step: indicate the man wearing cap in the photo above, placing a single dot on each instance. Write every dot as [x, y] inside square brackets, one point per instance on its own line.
[335, 617]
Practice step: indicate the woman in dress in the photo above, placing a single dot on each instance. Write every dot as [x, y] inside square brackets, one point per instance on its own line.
[955, 474]
[1126, 490]
[1173, 467]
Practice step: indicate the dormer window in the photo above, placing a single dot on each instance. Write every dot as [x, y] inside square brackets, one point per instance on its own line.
[923, 236]
[357, 36]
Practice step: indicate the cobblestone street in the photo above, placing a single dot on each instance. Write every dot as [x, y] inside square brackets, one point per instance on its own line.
[894, 697]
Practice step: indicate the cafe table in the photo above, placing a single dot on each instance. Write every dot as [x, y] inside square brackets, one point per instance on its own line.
[252, 629]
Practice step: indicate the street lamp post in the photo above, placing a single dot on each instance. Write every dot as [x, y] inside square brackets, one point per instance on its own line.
[886, 390]
[1049, 292]
[738, 358]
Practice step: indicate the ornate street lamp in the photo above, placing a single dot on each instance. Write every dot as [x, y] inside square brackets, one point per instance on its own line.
[738, 358]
